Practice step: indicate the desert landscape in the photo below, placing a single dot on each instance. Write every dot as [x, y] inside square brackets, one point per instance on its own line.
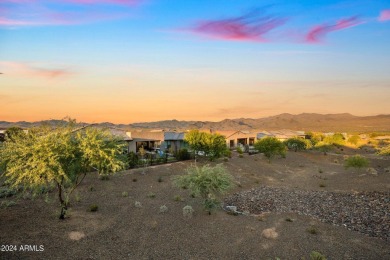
[265, 191]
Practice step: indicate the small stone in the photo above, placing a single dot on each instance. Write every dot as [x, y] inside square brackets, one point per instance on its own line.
[269, 233]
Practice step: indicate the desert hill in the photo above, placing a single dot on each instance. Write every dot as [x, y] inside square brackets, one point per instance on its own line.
[306, 121]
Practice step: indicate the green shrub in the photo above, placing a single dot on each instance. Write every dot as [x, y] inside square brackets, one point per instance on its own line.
[270, 146]
[93, 208]
[207, 182]
[163, 209]
[228, 153]
[356, 161]
[239, 150]
[323, 147]
[177, 198]
[385, 151]
[354, 139]
[295, 144]
[7, 204]
[125, 194]
[314, 255]
[151, 195]
[132, 159]
[188, 211]
[183, 155]
[7, 192]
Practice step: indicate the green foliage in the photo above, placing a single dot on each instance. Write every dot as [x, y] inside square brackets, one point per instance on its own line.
[239, 150]
[336, 139]
[163, 209]
[314, 255]
[93, 208]
[195, 140]
[177, 198]
[314, 138]
[132, 159]
[207, 182]
[125, 194]
[14, 133]
[213, 145]
[227, 153]
[151, 195]
[295, 144]
[60, 156]
[385, 151]
[323, 147]
[183, 155]
[356, 161]
[355, 139]
[7, 204]
[270, 146]
[188, 211]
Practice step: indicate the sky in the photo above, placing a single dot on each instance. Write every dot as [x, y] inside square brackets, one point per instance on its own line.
[127, 61]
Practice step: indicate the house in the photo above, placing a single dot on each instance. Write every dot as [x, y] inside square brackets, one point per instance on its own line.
[174, 141]
[281, 135]
[149, 140]
[117, 132]
[238, 138]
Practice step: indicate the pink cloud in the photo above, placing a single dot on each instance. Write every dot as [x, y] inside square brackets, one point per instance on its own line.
[27, 70]
[317, 33]
[249, 27]
[384, 15]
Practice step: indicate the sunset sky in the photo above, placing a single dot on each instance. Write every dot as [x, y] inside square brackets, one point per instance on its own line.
[128, 61]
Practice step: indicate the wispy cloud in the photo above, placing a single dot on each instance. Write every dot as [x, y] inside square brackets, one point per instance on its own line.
[18, 13]
[384, 15]
[28, 70]
[317, 33]
[252, 26]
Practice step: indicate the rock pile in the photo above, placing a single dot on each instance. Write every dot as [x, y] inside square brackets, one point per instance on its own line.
[365, 212]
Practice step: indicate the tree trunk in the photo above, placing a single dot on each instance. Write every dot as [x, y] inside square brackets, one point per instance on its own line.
[63, 203]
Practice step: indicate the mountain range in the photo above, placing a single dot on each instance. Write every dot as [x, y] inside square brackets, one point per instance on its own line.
[306, 122]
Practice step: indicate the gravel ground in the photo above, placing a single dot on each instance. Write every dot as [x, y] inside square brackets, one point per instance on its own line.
[365, 212]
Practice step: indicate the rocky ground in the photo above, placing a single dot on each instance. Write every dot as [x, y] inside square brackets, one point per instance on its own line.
[365, 212]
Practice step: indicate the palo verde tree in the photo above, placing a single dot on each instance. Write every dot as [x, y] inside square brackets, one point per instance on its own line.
[196, 141]
[215, 145]
[296, 144]
[270, 146]
[60, 156]
[207, 182]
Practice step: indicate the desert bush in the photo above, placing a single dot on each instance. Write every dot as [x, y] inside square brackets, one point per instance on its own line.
[7, 204]
[314, 255]
[61, 157]
[385, 151]
[93, 208]
[183, 155]
[207, 182]
[295, 144]
[132, 159]
[314, 138]
[177, 198]
[239, 150]
[270, 146]
[336, 139]
[163, 209]
[312, 230]
[356, 161]
[151, 195]
[228, 153]
[125, 194]
[323, 147]
[137, 204]
[354, 139]
[6, 192]
[188, 211]
[160, 179]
